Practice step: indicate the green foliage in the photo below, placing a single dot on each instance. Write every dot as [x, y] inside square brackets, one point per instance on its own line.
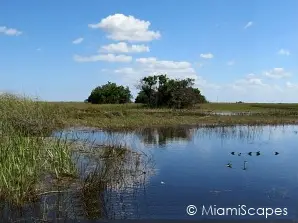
[27, 154]
[160, 91]
[110, 93]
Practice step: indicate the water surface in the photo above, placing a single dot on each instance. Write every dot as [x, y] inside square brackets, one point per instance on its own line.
[190, 167]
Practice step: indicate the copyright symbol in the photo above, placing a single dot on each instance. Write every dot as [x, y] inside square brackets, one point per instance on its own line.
[191, 210]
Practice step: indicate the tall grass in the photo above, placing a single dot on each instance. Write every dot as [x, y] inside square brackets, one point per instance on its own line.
[27, 154]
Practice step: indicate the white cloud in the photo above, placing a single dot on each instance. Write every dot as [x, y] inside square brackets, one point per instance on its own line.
[173, 69]
[284, 52]
[249, 24]
[152, 62]
[249, 81]
[251, 88]
[207, 56]
[126, 28]
[78, 40]
[123, 47]
[126, 71]
[251, 75]
[231, 63]
[9, 31]
[277, 73]
[291, 85]
[103, 57]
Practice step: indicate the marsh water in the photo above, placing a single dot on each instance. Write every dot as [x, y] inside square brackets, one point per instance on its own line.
[222, 166]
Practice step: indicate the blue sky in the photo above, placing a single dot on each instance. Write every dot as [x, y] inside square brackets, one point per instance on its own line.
[236, 50]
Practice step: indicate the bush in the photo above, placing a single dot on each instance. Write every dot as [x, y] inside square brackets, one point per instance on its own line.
[160, 91]
[110, 93]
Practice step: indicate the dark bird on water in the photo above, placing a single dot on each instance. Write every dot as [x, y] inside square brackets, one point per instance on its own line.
[233, 153]
[258, 153]
[250, 153]
[244, 167]
[229, 165]
[239, 154]
[276, 153]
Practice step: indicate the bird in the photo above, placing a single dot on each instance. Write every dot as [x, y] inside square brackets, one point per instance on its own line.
[258, 153]
[244, 167]
[162, 182]
[276, 153]
[239, 154]
[250, 153]
[233, 153]
[229, 165]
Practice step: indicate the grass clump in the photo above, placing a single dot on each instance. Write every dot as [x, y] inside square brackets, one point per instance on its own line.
[27, 154]
[29, 117]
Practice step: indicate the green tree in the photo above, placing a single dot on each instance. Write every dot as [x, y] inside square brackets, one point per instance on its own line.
[160, 91]
[110, 93]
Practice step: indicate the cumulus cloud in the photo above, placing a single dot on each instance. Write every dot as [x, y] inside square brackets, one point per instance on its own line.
[103, 57]
[251, 80]
[249, 24]
[154, 63]
[250, 88]
[277, 73]
[231, 63]
[284, 52]
[123, 47]
[126, 71]
[126, 28]
[207, 55]
[173, 69]
[291, 85]
[9, 31]
[78, 40]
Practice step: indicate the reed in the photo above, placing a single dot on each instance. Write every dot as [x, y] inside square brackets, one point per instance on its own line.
[27, 154]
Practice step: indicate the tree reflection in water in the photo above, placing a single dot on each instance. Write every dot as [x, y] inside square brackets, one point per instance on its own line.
[162, 136]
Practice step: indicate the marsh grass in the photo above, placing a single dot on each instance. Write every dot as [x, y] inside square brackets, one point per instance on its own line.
[136, 116]
[27, 154]
[33, 164]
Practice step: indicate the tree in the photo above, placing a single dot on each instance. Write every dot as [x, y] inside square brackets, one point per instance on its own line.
[160, 91]
[110, 93]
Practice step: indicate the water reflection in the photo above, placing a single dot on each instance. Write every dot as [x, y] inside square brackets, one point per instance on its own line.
[223, 166]
[162, 136]
[109, 179]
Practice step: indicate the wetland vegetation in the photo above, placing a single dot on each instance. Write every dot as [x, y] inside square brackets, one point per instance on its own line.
[86, 178]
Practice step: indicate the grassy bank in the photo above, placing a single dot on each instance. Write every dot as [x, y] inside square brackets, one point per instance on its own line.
[131, 116]
[32, 163]
[27, 154]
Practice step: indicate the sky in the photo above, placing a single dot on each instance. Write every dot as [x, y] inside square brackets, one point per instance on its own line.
[235, 50]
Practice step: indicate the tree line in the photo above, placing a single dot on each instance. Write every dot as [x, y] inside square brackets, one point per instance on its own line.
[155, 91]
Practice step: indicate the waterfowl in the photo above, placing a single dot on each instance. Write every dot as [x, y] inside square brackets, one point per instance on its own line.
[244, 167]
[276, 153]
[229, 165]
[239, 154]
[250, 153]
[258, 153]
[233, 153]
